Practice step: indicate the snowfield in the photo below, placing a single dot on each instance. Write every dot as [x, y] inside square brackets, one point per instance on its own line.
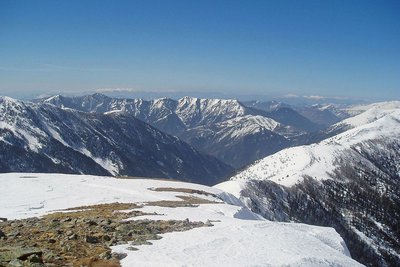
[289, 166]
[238, 237]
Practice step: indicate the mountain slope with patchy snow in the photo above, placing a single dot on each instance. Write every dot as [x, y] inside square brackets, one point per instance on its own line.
[288, 166]
[216, 127]
[238, 237]
[240, 140]
[350, 181]
[45, 138]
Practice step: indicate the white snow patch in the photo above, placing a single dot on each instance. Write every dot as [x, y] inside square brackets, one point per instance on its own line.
[21, 191]
[107, 164]
[113, 111]
[233, 187]
[234, 242]
[238, 237]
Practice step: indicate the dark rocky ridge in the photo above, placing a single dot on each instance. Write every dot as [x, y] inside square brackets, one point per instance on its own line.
[45, 138]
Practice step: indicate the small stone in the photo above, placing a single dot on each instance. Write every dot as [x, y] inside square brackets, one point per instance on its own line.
[2, 234]
[119, 256]
[66, 248]
[91, 239]
[35, 258]
[108, 228]
[106, 222]
[14, 224]
[132, 248]
[105, 255]
[32, 221]
[14, 234]
[68, 233]
[92, 223]
[68, 219]
[106, 238]
[122, 228]
[51, 241]
[73, 237]
[49, 256]
[140, 242]
[156, 237]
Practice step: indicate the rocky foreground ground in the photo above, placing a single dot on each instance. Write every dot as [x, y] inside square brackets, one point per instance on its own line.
[82, 236]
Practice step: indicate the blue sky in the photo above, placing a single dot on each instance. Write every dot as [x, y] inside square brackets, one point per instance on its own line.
[333, 48]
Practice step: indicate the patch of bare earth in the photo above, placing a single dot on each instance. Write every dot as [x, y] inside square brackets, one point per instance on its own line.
[82, 236]
[183, 190]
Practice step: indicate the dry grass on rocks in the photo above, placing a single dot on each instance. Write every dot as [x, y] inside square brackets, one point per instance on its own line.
[82, 236]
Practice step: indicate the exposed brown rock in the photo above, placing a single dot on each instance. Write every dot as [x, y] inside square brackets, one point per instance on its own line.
[82, 236]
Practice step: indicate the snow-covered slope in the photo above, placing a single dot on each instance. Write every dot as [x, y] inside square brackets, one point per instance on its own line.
[238, 237]
[350, 181]
[370, 113]
[45, 138]
[196, 111]
[364, 114]
[240, 140]
[290, 165]
[358, 109]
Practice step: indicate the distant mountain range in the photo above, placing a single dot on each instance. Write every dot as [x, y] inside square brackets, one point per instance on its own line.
[350, 181]
[46, 138]
[236, 133]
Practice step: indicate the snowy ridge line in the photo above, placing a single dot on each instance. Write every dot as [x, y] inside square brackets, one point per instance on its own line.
[368, 113]
[290, 165]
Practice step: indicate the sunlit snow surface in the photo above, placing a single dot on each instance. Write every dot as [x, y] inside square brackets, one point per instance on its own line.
[289, 166]
[238, 237]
